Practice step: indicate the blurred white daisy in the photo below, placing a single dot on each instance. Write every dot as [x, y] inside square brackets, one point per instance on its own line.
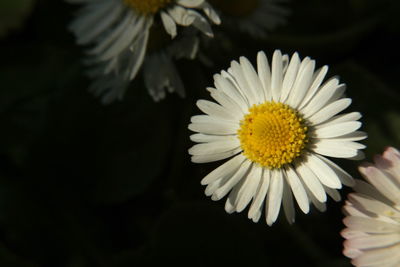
[120, 30]
[278, 124]
[373, 214]
[255, 17]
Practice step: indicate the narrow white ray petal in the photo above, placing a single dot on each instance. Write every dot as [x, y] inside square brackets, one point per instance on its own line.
[201, 23]
[290, 77]
[109, 38]
[329, 111]
[240, 77]
[215, 157]
[215, 110]
[370, 225]
[321, 97]
[226, 169]
[211, 13]
[228, 103]
[287, 202]
[367, 189]
[298, 189]
[169, 24]
[302, 84]
[274, 197]
[86, 34]
[257, 203]
[249, 188]
[276, 75]
[311, 181]
[365, 202]
[352, 116]
[374, 241]
[214, 147]
[387, 256]
[351, 137]
[205, 138]
[336, 149]
[323, 172]
[337, 129]
[378, 179]
[333, 193]
[318, 77]
[253, 80]
[180, 15]
[232, 91]
[217, 128]
[223, 190]
[264, 73]
[344, 177]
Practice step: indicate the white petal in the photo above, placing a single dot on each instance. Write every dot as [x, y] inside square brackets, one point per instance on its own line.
[335, 148]
[205, 138]
[214, 147]
[276, 75]
[169, 24]
[256, 205]
[287, 202]
[223, 190]
[215, 157]
[232, 91]
[290, 77]
[249, 188]
[324, 173]
[337, 129]
[370, 225]
[237, 72]
[329, 111]
[214, 127]
[344, 177]
[226, 169]
[311, 181]
[318, 77]
[302, 84]
[215, 110]
[352, 116]
[264, 73]
[274, 197]
[252, 79]
[378, 179]
[298, 189]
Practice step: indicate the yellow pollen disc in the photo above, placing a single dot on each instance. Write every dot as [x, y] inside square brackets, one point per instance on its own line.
[236, 8]
[272, 134]
[147, 7]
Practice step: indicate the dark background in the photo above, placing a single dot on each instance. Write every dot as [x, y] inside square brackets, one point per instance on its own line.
[82, 184]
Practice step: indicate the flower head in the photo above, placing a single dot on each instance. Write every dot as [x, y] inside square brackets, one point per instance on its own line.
[373, 214]
[120, 31]
[277, 123]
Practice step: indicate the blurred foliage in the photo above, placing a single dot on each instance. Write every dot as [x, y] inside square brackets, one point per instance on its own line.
[82, 184]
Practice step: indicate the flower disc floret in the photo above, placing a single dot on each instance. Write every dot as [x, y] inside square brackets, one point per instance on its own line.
[272, 134]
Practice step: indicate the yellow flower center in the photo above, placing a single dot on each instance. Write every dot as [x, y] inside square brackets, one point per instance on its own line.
[236, 8]
[147, 7]
[272, 134]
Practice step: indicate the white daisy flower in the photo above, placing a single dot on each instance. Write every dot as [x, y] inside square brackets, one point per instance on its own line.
[277, 124]
[255, 17]
[373, 214]
[120, 30]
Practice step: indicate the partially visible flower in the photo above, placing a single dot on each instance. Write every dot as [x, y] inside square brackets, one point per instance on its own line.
[276, 124]
[255, 17]
[120, 31]
[373, 214]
